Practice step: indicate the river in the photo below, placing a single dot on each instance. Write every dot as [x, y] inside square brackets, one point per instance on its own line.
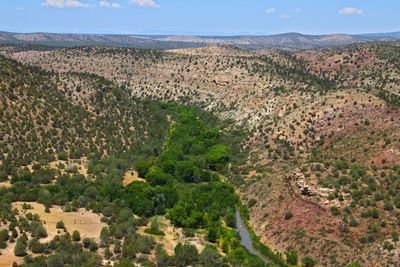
[245, 238]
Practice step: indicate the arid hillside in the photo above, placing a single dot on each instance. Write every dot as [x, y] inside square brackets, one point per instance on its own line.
[247, 87]
[45, 116]
[323, 133]
[370, 66]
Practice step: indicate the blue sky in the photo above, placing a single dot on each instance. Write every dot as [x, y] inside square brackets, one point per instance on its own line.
[201, 17]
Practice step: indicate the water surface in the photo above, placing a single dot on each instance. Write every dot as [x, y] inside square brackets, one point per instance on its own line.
[245, 238]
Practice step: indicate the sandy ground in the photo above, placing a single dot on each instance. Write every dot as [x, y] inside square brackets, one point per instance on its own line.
[173, 236]
[8, 258]
[86, 222]
[5, 184]
[81, 163]
[131, 176]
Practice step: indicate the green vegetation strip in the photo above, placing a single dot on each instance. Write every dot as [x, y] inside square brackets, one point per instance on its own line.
[192, 156]
[263, 249]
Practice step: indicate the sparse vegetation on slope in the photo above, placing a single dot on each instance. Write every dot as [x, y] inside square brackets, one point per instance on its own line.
[40, 124]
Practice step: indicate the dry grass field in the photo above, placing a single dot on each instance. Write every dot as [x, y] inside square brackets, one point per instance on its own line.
[86, 222]
[7, 257]
[131, 176]
[172, 236]
[5, 184]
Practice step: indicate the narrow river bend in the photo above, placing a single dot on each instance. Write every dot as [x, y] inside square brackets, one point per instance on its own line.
[245, 237]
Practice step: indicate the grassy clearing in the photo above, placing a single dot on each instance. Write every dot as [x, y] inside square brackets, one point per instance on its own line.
[131, 176]
[172, 237]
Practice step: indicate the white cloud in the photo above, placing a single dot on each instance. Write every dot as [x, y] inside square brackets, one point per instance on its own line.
[350, 11]
[144, 3]
[106, 4]
[270, 10]
[65, 4]
[285, 16]
[19, 8]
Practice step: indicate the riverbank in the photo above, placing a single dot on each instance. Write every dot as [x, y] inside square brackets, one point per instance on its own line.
[252, 242]
[245, 238]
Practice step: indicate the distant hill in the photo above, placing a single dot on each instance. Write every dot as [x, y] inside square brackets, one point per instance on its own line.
[380, 36]
[287, 41]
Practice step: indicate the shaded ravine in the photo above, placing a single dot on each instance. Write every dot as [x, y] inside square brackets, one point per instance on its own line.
[245, 238]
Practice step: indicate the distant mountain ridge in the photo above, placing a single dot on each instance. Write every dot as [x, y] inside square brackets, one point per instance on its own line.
[288, 41]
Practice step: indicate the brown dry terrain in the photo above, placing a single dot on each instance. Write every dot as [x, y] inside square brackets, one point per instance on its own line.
[323, 133]
[172, 236]
[7, 257]
[86, 222]
[131, 176]
[5, 184]
[372, 66]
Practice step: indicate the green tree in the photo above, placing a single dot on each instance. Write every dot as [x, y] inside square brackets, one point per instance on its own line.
[186, 254]
[60, 225]
[162, 257]
[20, 247]
[3, 238]
[93, 247]
[35, 246]
[76, 236]
[308, 262]
[124, 263]
[157, 177]
[104, 236]
[288, 215]
[86, 242]
[143, 167]
[107, 253]
[212, 235]
[291, 257]
[129, 247]
[217, 157]
[209, 257]
[55, 261]
[39, 231]
[117, 246]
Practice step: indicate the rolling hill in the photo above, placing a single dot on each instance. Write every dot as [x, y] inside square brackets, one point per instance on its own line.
[287, 41]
